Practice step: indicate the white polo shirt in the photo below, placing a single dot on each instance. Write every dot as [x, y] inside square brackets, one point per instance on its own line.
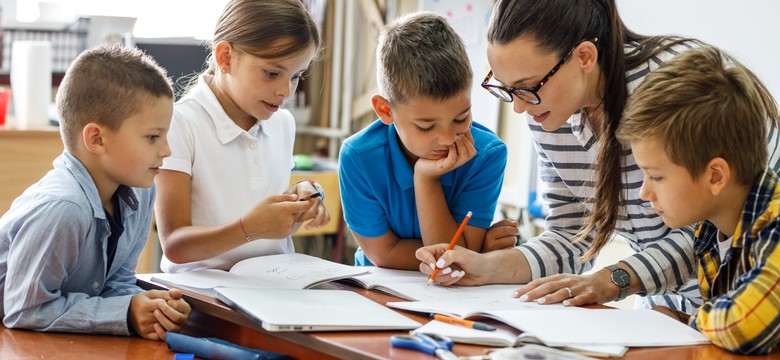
[231, 169]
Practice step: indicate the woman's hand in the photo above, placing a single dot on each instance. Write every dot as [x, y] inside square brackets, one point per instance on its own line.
[570, 289]
[459, 265]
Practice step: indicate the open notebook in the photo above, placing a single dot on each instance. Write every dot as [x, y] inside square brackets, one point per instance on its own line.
[413, 285]
[314, 310]
[286, 271]
[559, 326]
[299, 271]
[506, 338]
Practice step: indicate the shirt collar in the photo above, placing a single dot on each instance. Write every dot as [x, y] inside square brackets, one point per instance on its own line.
[404, 173]
[87, 184]
[759, 197]
[226, 129]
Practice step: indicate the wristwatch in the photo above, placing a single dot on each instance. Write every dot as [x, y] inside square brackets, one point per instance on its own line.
[621, 278]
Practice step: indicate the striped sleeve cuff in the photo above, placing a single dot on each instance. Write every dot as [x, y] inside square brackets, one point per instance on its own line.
[644, 266]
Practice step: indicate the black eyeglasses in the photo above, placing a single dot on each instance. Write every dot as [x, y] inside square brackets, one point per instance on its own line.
[527, 94]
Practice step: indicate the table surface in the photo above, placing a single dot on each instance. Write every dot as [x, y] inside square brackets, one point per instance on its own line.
[211, 318]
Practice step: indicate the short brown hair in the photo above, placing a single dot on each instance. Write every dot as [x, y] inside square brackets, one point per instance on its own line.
[421, 55]
[106, 85]
[704, 104]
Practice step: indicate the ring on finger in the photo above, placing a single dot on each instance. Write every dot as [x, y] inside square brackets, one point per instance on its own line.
[569, 291]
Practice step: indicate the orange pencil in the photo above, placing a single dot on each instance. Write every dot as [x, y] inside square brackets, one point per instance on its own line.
[462, 322]
[452, 243]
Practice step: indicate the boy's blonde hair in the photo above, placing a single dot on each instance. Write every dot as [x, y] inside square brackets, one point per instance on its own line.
[704, 104]
[106, 85]
[420, 55]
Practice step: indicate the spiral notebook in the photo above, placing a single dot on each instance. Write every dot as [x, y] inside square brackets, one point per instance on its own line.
[314, 310]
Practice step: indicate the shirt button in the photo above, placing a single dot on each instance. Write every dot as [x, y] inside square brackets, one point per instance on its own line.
[253, 145]
[95, 285]
[257, 160]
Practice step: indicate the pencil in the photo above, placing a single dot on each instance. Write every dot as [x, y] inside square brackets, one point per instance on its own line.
[467, 323]
[452, 243]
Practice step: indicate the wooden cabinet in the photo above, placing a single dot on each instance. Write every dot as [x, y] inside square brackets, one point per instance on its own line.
[25, 156]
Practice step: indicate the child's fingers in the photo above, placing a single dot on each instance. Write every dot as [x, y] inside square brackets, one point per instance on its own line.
[499, 243]
[149, 332]
[164, 321]
[159, 332]
[465, 149]
[320, 220]
[171, 314]
[175, 293]
[181, 306]
[158, 294]
[297, 207]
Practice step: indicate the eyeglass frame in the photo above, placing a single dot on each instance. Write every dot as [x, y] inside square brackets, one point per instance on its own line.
[533, 90]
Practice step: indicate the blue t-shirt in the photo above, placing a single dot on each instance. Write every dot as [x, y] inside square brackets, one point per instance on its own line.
[377, 183]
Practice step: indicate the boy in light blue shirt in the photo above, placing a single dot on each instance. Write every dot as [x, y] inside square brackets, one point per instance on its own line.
[409, 178]
[70, 243]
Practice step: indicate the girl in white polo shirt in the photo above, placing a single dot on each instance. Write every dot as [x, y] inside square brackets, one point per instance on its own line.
[223, 193]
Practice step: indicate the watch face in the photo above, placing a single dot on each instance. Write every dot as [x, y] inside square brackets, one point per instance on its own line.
[621, 277]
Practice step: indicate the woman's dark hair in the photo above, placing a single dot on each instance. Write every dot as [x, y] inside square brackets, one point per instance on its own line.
[556, 26]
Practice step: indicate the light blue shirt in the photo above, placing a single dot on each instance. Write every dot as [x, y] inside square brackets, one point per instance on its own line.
[377, 184]
[53, 254]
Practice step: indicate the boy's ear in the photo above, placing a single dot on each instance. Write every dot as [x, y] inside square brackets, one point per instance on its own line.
[222, 54]
[718, 175]
[382, 109]
[92, 137]
[587, 55]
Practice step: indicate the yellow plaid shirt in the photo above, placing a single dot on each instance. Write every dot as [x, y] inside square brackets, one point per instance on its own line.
[741, 291]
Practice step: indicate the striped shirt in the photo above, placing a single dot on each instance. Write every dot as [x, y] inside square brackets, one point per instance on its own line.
[741, 310]
[663, 259]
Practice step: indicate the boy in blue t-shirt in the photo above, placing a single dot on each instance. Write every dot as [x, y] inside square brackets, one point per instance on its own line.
[409, 178]
[70, 243]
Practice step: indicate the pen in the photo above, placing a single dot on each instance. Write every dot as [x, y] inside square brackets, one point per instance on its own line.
[452, 243]
[312, 196]
[467, 323]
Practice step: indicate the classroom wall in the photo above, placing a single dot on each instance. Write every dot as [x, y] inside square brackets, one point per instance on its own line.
[747, 30]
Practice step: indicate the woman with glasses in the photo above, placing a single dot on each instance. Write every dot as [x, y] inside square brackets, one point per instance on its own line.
[572, 66]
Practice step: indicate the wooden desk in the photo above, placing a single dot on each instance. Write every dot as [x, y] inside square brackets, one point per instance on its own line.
[211, 318]
[24, 344]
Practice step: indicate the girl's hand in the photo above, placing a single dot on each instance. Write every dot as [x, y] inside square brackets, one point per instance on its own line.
[311, 191]
[275, 217]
